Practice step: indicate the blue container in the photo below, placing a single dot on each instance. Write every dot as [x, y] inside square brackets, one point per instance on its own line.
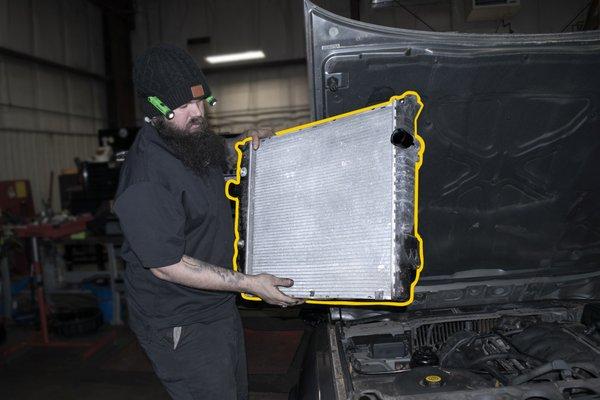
[101, 290]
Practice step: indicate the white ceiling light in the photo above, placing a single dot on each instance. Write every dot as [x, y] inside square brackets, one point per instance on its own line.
[225, 58]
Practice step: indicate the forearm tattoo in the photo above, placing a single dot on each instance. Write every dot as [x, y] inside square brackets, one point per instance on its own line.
[228, 277]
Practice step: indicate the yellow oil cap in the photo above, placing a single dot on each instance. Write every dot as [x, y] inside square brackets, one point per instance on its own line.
[432, 380]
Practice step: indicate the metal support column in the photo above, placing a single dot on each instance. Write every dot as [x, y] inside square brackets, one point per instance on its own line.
[6, 290]
[36, 270]
[114, 273]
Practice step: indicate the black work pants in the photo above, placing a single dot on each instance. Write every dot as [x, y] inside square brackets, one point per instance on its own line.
[198, 361]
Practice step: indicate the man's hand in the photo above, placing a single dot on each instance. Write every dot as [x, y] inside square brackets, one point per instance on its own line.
[259, 133]
[202, 275]
[265, 287]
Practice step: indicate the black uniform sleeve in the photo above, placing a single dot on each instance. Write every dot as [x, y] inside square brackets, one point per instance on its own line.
[153, 223]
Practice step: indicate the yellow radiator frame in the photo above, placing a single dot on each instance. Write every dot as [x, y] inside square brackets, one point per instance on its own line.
[237, 180]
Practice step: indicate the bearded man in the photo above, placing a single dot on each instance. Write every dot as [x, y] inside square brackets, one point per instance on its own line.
[178, 229]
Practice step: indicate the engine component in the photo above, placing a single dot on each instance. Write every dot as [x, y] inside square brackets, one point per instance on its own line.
[430, 379]
[435, 335]
[546, 350]
[551, 342]
[424, 357]
[556, 365]
[332, 205]
[556, 342]
[591, 316]
[389, 350]
[508, 353]
[490, 353]
[380, 353]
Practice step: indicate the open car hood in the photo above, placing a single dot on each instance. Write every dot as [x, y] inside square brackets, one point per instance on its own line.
[510, 184]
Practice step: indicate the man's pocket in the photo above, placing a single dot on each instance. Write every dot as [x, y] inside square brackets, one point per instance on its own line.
[176, 336]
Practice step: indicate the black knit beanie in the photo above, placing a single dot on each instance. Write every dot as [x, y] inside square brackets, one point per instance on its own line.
[169, 73]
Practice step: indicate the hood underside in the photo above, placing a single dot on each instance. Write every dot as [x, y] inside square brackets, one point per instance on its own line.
[509, 182]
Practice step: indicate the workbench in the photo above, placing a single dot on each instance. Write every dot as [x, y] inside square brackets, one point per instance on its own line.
[48, 234]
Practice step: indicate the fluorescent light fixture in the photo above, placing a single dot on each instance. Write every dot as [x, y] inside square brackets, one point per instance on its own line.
[225, 58]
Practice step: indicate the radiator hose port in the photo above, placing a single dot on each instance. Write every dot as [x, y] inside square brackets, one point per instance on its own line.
[401, 138]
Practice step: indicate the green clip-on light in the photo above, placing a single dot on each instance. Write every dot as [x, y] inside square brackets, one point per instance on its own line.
[161, 107]
[166, 111]
[211, 100]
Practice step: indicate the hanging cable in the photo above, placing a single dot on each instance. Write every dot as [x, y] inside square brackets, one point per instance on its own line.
[576, 16]
[413, 14]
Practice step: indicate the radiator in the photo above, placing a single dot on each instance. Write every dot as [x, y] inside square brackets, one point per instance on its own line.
[332, 205]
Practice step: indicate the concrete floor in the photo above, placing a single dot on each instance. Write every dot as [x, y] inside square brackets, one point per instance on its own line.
[275, 341]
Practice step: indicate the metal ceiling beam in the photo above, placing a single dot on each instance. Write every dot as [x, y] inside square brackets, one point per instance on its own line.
[5, 51]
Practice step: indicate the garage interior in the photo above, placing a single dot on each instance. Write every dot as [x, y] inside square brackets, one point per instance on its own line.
[68, 109]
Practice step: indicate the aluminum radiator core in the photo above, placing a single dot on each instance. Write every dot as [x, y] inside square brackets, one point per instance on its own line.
[332, 205]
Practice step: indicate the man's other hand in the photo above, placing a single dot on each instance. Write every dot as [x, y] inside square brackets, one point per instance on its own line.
[265, 286]
[259, 133]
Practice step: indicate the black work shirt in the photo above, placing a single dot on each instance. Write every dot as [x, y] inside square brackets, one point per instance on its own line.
[166, 211]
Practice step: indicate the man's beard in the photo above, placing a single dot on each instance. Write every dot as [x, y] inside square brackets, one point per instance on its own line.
[197, 147]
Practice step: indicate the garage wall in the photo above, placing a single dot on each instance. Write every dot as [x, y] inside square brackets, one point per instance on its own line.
[52, 92]
[278, 95]
[273, 96]
[534, 16]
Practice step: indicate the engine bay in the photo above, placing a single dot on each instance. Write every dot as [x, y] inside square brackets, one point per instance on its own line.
[525, 352]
